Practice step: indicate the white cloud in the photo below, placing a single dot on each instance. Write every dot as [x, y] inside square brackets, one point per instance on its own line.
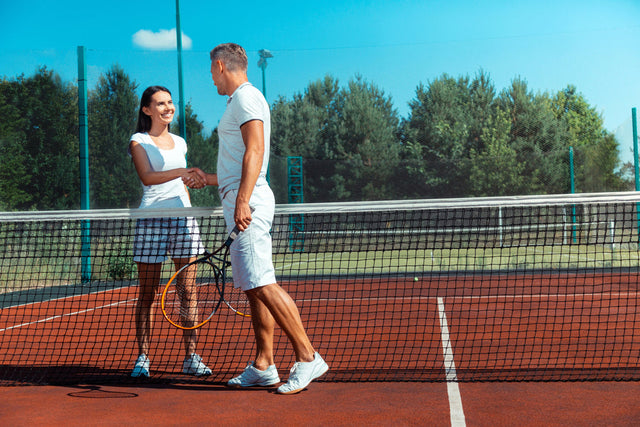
[162, 40]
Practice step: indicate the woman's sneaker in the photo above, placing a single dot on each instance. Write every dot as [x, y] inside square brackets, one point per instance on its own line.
[252, 377]
[141, 368]
[302, 373]
[193, 365]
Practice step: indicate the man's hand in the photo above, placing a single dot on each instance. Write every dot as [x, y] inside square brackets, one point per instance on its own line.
[194, 178]
[242, 215]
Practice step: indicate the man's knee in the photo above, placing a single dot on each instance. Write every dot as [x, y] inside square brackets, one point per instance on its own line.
[264, 291]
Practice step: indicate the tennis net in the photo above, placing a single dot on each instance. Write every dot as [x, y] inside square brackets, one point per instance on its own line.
[493, 289]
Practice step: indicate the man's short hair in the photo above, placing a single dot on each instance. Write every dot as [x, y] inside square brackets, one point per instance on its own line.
[232, 55]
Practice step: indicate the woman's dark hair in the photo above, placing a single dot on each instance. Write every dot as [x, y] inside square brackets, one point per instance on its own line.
[144, 121]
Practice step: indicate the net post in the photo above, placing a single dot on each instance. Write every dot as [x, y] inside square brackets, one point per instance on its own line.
[612, 228]
[500, 226]
[85, 233]
[573, 191]
[634, 124]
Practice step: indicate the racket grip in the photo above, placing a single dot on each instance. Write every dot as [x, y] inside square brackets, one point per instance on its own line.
[234, 233]
[232, 236]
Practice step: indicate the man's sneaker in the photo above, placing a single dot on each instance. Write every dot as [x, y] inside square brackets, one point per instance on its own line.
[252, 377]
[141, 368]
[193, 365]
[302, 374]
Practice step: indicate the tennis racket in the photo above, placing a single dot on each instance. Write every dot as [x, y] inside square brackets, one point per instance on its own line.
[197, 290]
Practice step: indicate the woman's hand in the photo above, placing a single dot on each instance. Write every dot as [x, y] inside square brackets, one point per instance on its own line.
[194, 178]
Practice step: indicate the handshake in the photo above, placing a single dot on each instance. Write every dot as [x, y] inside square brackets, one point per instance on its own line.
[194, 178]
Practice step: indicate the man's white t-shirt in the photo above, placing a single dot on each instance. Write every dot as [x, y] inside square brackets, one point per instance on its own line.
[247, 103]
[171, 194]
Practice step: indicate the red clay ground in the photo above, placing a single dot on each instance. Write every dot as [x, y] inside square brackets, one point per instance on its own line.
[471, 323]
[337, 404]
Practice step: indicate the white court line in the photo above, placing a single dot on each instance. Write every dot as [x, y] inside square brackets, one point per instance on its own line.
[59, 316]
[317, 259]
[65, 297]
[441, 310]
[571, 295]
[455, 400]
[472, 297]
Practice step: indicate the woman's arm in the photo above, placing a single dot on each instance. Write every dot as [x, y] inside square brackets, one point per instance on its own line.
[150, 177]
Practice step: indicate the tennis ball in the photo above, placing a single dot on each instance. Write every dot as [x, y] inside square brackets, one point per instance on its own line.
[415, 279]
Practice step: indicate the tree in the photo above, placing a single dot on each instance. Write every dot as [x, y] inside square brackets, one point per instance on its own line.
[366, 146]
[446, 124]
[495, 170]
[538, 138]
[47, 132]
[347, 138]
[13, 166]
[597, 154]
[13, 173]
[460, 139]
[600, 168]
[304, 126]
[113, 109]
[202, 153]
[437, 136]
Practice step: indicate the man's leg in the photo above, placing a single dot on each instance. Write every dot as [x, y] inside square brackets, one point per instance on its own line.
[283, 310]
[262, 371]
[309, 364]
[263, 328]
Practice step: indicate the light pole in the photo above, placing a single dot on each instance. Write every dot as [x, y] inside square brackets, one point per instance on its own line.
[181, 105]
[262, 63]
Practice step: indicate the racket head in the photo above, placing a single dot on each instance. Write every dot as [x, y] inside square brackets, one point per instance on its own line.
[192, 295]
[236, 300]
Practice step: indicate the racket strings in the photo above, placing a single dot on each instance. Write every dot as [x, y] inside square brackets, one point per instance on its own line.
[193, 294]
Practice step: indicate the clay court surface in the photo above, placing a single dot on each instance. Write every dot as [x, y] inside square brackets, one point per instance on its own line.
[338, 399]
[324, 403]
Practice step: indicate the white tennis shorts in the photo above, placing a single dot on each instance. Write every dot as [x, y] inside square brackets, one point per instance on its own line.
[157, 238]
[251, 252]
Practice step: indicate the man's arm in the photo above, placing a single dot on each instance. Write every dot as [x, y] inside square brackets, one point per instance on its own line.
[203, 178]
[253, 137]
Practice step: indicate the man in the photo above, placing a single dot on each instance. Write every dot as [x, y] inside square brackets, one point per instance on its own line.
[248, 202]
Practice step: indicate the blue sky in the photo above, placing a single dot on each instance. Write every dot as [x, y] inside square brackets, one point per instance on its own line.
[395, 45]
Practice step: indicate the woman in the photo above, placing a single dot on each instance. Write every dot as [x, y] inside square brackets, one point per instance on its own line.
[159, 159]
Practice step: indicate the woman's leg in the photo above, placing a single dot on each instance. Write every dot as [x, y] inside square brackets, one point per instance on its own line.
[189, 302]
[149, 278]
